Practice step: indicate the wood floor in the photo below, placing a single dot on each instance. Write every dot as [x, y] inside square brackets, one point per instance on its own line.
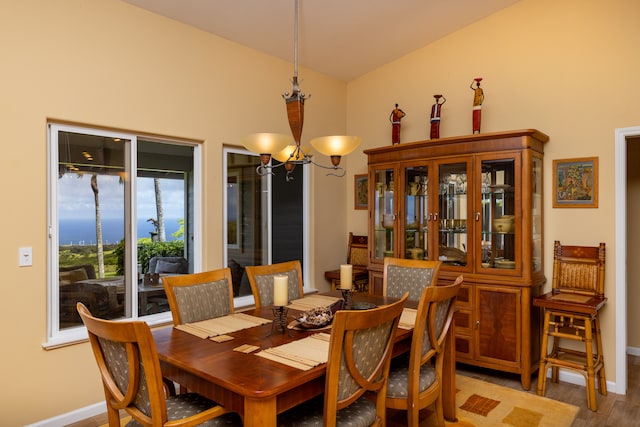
[613, 410]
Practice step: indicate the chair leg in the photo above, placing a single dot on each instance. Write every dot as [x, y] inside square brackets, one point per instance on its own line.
[555, 350]
[439, 412]
[592, 403]
[602, 378]
[113, 415]
[542, 371]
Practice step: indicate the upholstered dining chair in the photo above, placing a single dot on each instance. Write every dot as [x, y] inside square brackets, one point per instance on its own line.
[415, 382]
[199, 296]
[130, 370]
[408, 275]
[360, 350]
[261, 280]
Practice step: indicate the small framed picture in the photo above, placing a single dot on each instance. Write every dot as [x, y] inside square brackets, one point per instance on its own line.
[575, 183]
[361, 191]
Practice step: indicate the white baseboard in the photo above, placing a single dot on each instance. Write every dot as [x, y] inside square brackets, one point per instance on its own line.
[575, 378]
[634, 351]
[73, 416]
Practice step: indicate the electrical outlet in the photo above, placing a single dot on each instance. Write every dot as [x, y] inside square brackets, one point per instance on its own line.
[25, 257]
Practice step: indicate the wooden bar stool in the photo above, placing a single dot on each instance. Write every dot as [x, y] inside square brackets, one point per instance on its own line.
[357, 256]
[571, 313]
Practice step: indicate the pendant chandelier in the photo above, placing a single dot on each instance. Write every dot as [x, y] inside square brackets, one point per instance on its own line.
[287, 149]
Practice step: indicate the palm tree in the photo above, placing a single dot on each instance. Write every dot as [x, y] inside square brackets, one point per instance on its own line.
[96, 197]
[159, 211]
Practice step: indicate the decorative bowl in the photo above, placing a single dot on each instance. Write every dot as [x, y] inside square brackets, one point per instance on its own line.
[505, 263]
[319, 317]
[388, 220]
[504, 224]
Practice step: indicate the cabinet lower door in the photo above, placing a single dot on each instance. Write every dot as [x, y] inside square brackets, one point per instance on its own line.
[498, 324]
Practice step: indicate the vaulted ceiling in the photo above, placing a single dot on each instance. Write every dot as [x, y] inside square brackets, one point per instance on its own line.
[341, 38]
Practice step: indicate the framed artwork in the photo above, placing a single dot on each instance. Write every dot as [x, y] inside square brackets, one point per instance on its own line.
[361, 191]
[575, 183]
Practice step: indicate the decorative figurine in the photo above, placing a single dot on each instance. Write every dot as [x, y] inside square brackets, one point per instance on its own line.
[436, 109]
[478, 97]
[396, 115]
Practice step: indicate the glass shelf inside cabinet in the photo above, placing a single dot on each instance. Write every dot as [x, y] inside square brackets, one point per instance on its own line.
[384, 213]
[452, 214]
[416, 208]
[498, 214]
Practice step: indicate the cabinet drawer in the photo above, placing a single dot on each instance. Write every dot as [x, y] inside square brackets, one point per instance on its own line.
[465, 296]
[463, 348]
[464, 320]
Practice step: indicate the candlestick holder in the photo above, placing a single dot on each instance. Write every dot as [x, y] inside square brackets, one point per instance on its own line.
[347, 297]
[279, 323]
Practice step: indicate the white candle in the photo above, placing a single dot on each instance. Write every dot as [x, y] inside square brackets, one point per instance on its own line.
[346, 276]
[280, 291]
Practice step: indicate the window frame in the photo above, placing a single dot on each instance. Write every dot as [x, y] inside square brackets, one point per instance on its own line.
[55, 336]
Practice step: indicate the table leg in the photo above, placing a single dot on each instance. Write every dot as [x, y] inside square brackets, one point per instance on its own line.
[142, 303]
[260, 412]
[449, 376]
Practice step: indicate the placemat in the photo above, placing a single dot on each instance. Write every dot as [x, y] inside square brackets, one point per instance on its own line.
[222, 325]
[312, 301]
[408, 318]
[302, 354]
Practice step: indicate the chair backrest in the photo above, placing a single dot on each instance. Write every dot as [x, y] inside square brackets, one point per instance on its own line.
[408, 275]
[358, 251]
[76, 273]
[168, 264]
[199, 296]
[578, 269]
[129, 366]
[433, 319]
[359, 356]
[261, 280]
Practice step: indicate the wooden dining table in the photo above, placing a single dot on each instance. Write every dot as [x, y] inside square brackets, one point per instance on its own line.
[255, 387]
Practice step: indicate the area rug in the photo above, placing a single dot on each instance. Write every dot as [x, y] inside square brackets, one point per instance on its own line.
[482, 404]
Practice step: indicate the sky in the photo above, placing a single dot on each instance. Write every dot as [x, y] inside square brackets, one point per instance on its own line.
[76, 200]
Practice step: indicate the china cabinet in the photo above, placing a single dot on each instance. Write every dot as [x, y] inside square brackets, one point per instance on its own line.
[475, 203]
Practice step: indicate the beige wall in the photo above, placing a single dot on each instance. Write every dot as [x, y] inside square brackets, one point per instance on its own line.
[568, 68]
[106, 63]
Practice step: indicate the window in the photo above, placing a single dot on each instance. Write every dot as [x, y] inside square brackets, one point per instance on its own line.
[113, 238]
[265, 218]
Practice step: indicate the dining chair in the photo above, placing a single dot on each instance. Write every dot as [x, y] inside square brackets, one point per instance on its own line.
[571, 314]
[360, 350]
[415, 382]
[199, 296]
[408, 275]
[261, 280]
[132, 379]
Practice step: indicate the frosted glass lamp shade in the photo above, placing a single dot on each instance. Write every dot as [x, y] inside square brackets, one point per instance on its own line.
[336, 145]
[266, 143]
[285, 155]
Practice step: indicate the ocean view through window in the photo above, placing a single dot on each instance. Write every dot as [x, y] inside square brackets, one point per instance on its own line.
[113, 238]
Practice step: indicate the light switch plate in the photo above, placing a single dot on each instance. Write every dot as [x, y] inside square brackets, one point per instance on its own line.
[25, 257]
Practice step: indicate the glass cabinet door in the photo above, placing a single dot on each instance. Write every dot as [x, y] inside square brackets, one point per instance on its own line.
[416, 212]
[384, 212]
[452, 214]
[536, 214]
[498, 216]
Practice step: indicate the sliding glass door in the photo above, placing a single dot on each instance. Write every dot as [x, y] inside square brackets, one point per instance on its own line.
[264, 216]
